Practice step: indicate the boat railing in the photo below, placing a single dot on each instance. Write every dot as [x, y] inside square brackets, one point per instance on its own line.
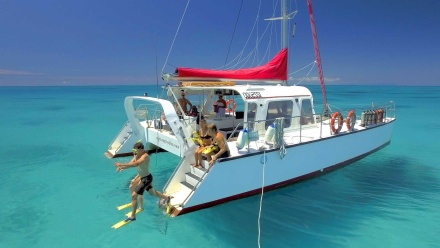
[148, 112]
[119, 138]
[303, 122]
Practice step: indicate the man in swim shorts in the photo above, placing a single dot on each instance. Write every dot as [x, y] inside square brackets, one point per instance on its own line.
[141, 182]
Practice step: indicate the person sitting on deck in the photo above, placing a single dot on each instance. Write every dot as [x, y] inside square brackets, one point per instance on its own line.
[205, 141]
[219, 143]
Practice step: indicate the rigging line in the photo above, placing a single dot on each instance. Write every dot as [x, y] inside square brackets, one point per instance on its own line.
[252, 31]
[253, 51]
[313, 63]
[264, 159]
[231, 64]
[269, 45]
[233, 33]
[255, 24]
[157, 76]
[256, 41]
[267, 52]
[178, 28]
[307, 74]
[238, 57]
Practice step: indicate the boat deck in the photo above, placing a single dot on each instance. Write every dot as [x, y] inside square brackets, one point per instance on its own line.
[292, 137]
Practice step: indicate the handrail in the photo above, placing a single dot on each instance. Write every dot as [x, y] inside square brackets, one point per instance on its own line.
[114, 139]
[197, 184]
[389, 107]
[235, 129]
[174, 173]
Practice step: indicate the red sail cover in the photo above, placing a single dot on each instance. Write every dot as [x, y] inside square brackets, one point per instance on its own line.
[276, 69]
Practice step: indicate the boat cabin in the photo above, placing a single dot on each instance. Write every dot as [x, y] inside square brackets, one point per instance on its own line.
[252, 107]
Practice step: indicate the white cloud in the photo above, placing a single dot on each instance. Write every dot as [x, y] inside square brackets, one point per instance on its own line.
[17, 73]
[313, 79]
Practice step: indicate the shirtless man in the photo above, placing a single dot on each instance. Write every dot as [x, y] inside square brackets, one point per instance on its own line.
[183, 102]
[143, 181]
[219, 141]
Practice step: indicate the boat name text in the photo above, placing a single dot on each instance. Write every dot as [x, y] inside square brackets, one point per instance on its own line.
[252, 95]
[167, 142]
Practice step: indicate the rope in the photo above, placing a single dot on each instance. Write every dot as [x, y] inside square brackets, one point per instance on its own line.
[157, 76]
[233, 33]
[263, 161]
[314, 63]
[282, 151]
[178, 28]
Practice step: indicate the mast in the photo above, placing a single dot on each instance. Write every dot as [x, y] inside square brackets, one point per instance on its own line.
[285, 17]
[317, 56]
[284, 38]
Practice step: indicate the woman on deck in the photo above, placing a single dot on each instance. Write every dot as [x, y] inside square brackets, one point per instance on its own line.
[205, 141]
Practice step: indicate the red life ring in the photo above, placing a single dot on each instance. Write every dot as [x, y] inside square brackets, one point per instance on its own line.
[351, 120]
[230, 108]
[340, 121]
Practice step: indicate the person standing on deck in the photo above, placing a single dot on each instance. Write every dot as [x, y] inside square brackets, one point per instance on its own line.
[220, 106]
[143, 181]
[184, 103]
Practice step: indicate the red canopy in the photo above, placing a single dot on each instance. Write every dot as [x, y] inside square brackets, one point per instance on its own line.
[276, 69]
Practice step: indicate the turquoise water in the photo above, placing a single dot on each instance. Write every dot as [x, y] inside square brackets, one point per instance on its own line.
[58, 189]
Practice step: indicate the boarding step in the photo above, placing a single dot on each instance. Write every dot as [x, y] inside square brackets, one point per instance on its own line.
[187, 185]
[192, 179]
[178, 197]
[199, 172]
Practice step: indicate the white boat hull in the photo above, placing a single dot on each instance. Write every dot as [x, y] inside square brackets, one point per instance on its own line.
[242, 176]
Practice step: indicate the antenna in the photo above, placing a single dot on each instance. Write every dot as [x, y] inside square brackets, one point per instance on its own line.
[294, 30]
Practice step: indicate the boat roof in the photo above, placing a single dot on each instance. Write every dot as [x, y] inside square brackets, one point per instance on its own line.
[251, 91]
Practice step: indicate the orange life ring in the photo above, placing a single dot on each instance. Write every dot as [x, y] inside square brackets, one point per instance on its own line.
[351, 120]
[340, 121]
[230, 108]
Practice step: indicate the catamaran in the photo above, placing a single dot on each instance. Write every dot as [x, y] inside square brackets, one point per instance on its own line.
[272, 130]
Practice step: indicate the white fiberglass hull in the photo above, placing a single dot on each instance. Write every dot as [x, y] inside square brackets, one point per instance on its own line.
[238, 177]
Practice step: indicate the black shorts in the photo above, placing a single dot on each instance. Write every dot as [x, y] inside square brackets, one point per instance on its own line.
[225, 154]
[144, 185]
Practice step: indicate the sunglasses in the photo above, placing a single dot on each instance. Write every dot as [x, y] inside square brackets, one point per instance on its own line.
[135, 151]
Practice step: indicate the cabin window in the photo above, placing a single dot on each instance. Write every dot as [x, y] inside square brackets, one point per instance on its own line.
[277, 109]
[250, 114]
[251, 111]
[307, 112]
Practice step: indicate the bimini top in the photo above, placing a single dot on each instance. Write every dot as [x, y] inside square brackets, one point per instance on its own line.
[274, 70]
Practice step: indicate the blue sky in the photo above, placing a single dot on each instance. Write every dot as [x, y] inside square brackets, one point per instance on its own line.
[113, 42]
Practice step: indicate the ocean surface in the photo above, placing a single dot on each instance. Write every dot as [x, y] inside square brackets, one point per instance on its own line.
[57, 189]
